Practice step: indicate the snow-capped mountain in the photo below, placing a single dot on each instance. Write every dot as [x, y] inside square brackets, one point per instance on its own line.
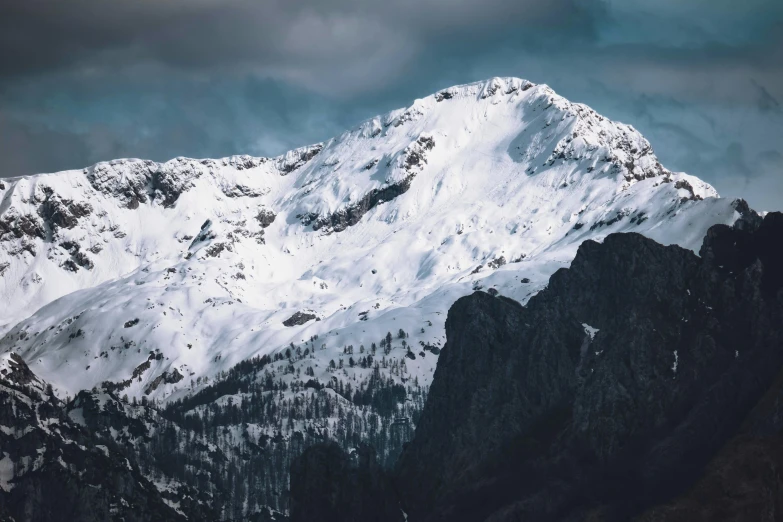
[157, 278]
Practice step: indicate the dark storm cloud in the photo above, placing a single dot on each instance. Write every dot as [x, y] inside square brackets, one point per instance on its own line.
[21, 148]
[349, 47]
[87, 80]
[767, 102]
[290, 39]
[355, 45]
[54, 126]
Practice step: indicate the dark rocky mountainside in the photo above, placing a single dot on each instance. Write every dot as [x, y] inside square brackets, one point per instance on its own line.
[644, 382]
[52, 468]
[101, 456]
[98, 457]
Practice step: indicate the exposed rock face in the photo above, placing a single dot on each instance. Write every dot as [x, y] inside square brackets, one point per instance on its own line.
[125, 179]
[294, 159]
[327, 486]
[610, 391]
[59, 213]
[266, 217]
[172, 377]
[351, 215]
[239, 162]
[238, 191]
[644, 383]
[299, 318]
[414, 159]
[52, 214]
[15, 226]
[78, 258]
[131, 323]
[140, 181]
[16, 371]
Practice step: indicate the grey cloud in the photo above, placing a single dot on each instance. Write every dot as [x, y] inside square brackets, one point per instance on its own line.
[767, 102]
[349, 47]
[772, 158]
[763, 187]
[87, 80]
[54, 126]
[295, 40]
[22, 152]
[716, 72]
[733, 162]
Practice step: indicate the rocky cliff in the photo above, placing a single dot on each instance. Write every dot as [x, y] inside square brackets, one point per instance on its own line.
[644, 381]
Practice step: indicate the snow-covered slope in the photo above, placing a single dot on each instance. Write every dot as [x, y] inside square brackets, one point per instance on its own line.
[155, 275]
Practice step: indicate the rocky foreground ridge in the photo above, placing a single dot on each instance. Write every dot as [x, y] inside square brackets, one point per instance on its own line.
[644, 383]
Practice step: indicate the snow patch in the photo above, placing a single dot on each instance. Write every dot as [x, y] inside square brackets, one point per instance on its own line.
[590, 331]
[6, 472]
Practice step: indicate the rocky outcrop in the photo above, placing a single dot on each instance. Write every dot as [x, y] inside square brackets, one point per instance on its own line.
[240, 162]
[15, 371]
[15, 226]
[684, 185]
[77, 259]
[265, 217]
[300, 318]
[135, 182]
[172, 377]
[170, 181]
[296, 158]
[62, 213]
[643, 383]
[414, 159]
[127, 180]
[350, 215]
[610, 391]
[239, 190]
[52, 213]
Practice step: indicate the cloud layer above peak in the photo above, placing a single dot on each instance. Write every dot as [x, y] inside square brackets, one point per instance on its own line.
[86, 80]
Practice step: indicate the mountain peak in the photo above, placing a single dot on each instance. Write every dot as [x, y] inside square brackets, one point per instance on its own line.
[148, 276]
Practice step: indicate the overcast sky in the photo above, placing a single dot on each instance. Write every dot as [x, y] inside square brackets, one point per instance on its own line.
[89, 80]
